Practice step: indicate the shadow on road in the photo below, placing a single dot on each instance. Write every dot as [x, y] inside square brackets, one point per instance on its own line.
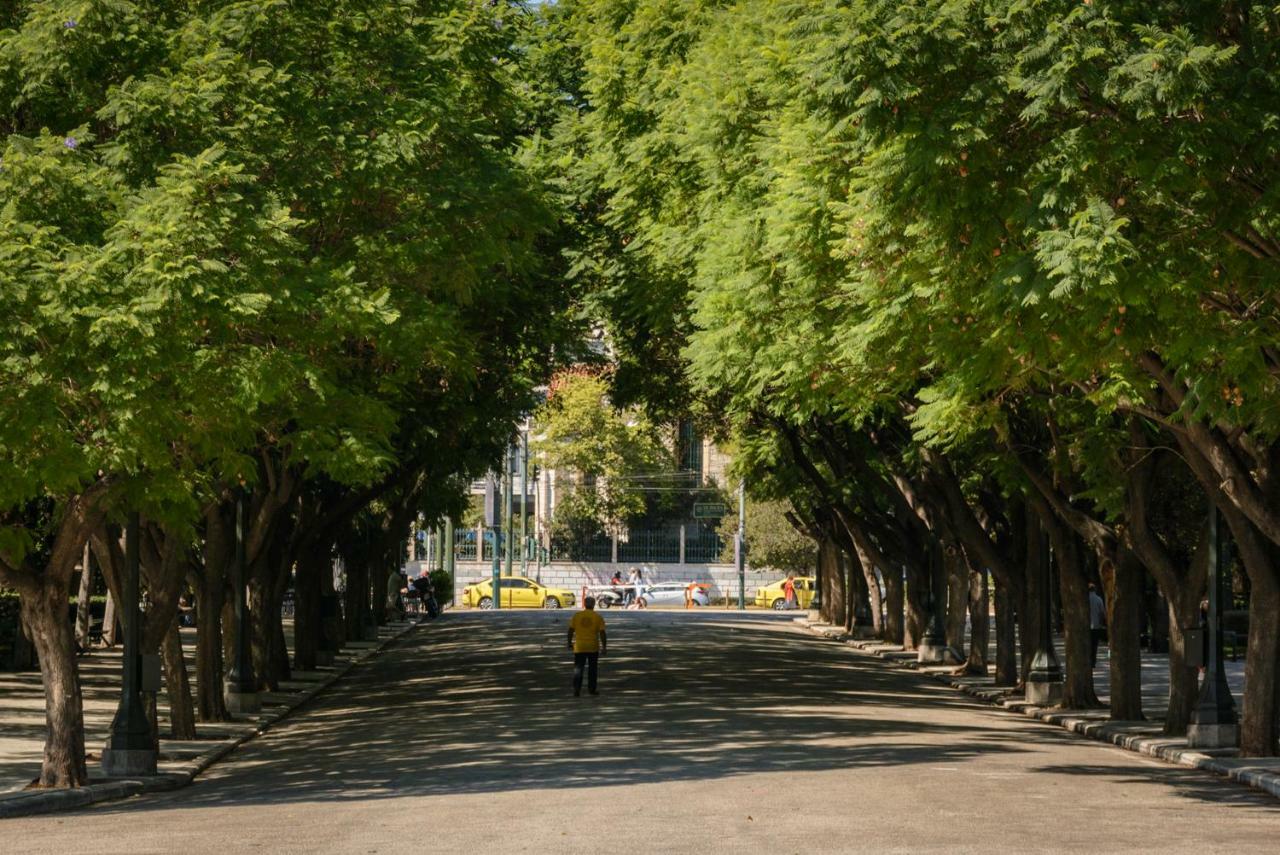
[476, 703]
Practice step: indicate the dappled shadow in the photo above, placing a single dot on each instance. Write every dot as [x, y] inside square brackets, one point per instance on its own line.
[1187, 783]
[479, 703]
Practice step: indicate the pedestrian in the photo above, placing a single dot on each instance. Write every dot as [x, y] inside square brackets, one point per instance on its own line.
[588, 642]
[637, 580]
[422, 587]
[629, 592]
[789, 592]
[396, 583]
[1097, 623]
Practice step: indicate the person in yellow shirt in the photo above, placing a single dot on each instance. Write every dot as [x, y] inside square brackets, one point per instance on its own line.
[588, 642]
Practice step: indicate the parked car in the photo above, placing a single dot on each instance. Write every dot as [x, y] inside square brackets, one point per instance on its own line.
[771, 596]
[517, 593]
[672, 594]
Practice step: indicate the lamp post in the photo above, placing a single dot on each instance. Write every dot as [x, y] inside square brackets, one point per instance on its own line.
[1213, 721]
[740, 554]
[1044, 682]
[130, 749]
[450, 554]
[524, 497]
[241, 686]
[508, 512]
[933, 644]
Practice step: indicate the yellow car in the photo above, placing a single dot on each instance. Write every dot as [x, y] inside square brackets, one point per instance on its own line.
[771, 596]
[517, 593]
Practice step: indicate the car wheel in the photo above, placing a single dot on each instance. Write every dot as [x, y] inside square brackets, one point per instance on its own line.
[485, 603]
[551, 603]
[779, 604]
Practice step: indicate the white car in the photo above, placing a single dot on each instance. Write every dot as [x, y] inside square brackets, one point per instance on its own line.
[672, 594]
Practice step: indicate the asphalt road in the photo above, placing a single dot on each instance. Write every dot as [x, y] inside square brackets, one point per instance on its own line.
[712, 733]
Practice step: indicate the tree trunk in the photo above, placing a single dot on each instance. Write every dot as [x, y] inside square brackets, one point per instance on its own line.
[833, 593]
[209, 662]
[85, 594]
[109, 621]
[44, 614]
[1030, 609]
[1184, 688]
[894, 627]
[957, 600]
[307, 629]
[356, 596]
[979, 624]
[1006, 637]
[1122, 585]
[182, 717]
[1073, 588]
[1258, 723]
[1259, 706]
[378, 583]
[875, 602]
[209, 579]
[917, 585]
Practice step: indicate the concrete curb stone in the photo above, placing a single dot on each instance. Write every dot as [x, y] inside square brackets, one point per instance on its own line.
[1261, 774]
[32, 802]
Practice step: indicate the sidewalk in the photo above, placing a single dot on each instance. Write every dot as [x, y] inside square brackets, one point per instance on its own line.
[22, 726]
[1143, 737]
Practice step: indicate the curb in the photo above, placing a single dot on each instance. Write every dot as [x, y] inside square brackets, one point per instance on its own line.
[1124, 735]
[34, 802]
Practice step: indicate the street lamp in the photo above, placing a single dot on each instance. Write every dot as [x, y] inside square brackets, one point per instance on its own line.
[741, 543]
[1213, 721]
[1044, 682]
[241, 686]
[130, 749]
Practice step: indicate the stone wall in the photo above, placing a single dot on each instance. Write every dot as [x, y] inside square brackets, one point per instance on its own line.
[723, 578]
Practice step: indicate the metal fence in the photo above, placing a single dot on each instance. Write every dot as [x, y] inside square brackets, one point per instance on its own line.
[644, 546]
[598, 548]
[650, 546]
[464, 544]
[702, 545]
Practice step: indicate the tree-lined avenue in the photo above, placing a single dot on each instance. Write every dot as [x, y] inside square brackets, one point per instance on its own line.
[714, 732]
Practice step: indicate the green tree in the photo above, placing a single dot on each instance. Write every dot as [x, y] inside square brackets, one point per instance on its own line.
[607, 455]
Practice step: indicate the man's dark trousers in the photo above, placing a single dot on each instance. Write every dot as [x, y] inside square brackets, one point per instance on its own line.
[592, 663]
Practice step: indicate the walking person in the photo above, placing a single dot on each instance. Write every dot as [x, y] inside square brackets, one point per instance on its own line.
[1097, 623]
[637, 581]
[789, 592]
[588, 642]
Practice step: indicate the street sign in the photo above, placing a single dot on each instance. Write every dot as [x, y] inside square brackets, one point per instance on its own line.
[709, 510]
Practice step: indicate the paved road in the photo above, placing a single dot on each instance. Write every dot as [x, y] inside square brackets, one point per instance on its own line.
[713, 733]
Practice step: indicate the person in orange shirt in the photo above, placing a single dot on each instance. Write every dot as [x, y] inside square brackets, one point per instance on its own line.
[789, 592]
[588, 642]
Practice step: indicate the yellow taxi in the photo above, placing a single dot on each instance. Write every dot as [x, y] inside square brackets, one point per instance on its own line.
[771, 596]
[517, 593]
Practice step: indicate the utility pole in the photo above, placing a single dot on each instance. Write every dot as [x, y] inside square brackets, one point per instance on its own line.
[508, 524]
[741, 551]
[524, 499]
[449, 555]
[497, 547]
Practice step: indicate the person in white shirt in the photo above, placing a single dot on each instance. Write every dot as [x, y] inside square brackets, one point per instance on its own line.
[1097, 623]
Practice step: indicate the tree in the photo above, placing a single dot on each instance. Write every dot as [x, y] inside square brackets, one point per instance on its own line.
[773, 541]
[608, 453]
